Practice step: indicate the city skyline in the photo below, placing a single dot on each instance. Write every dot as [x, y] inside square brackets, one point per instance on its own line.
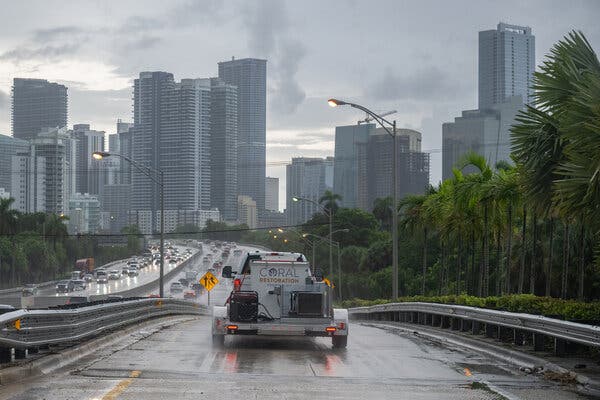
[298, 121]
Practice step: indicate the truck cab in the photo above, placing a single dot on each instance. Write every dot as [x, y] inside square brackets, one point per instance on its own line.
[276, 293]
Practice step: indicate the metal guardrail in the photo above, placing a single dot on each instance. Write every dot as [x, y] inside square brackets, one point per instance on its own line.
[24, 329]
[494, 323]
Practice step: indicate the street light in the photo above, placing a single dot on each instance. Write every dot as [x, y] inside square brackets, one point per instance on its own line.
[150, 173]
[329, 213]
[385, 124]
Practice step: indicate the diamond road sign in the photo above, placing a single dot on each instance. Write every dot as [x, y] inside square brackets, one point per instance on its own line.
[209, 281]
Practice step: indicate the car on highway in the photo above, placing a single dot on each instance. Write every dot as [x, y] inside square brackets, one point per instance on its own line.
[29, 290]
[184, 282]
[101, 277]
[189, 294]
[172, 261]
[197, 288]
[88, 278]
[125, 270]
[64, 286]
[176, 287]
[6, 308]
[79, 284]
[133, 271]
[114, 275]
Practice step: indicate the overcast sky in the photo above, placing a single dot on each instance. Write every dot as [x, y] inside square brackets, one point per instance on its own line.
[418, 57]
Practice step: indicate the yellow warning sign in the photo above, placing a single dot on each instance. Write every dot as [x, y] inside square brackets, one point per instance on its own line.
[209, 281]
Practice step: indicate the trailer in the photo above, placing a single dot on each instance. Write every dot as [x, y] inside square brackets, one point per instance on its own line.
[277, 294]
[85, 265]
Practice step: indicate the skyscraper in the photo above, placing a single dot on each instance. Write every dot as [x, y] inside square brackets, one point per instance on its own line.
[350, 157]
[506, 64]
[9, 146]
[249, 75]
[307, 178]
[37, 104]
[125, 132]
[57, 147]
[88, 178]
[148, 98]
[272, 194]
[412, 165]
[224, 148]
[485, 132]
[171, 134]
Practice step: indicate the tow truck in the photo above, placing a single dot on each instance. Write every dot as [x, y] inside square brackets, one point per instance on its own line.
[277, 294]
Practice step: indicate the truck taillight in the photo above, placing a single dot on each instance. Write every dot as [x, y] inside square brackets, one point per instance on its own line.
[341, 326]
[330, 329]
[237, 283]
[232, 327]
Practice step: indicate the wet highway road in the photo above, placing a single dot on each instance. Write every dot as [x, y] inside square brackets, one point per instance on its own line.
[180, 363]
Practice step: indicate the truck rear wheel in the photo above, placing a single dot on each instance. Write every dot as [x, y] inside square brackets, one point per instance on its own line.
[339, 342]
[218, 340]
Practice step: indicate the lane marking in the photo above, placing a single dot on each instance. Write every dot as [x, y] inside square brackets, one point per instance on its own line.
[121, 386]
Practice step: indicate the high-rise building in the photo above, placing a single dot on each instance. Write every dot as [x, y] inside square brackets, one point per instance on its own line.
[185, 145]
[485, 132]
[88, 178]
[249, 75]
[506, 64]
[28, 181]
[306, 178]
[125, 132]
[412, 166]
[272, 194]
[9, 146]
[37, 104]
[224, 148]
[148, 98]
[350, 164]
[84, 213]
[114, 203]
[57, 147]
[171, 134]
[247, 212]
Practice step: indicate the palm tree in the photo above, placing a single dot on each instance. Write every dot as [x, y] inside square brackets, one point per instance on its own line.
[8, 217]
[556, 143]
[476, 191]
[382, 210]
[504, 187]
[329, 200]
[412, 217]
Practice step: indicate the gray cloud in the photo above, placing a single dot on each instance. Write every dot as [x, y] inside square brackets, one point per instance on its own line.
[428, 83]
[267, 24]
[25, 53]
[45, 35]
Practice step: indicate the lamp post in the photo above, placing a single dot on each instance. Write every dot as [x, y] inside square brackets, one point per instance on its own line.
[150, 173]
[385, 124]
[329, 213]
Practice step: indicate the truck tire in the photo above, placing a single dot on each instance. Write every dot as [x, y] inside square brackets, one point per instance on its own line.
[218, 340]
[339, 342]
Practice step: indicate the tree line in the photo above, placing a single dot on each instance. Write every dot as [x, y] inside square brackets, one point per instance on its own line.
[36, 247]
